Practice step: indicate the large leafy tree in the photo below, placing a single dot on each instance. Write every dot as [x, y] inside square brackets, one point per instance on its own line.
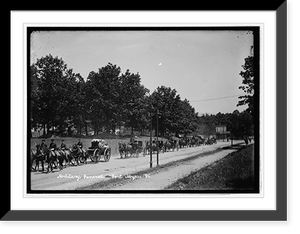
[61, 98]
[133, 101]
[34, 97]
[164, 109]
[171, 113]
[247, 85]
[113, 99]
[240, 124]
[54, 92]
[206, 124]
[103, 96]
[73, 112]
[187, 123]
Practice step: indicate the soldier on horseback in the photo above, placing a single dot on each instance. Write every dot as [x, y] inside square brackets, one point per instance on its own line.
[102, 144]
[53, 149]
[51, 155]
[80, 146]
[63, 148]
[41, 148]
[52, 145]
[43, 145]
[63, 145]
[40, 155]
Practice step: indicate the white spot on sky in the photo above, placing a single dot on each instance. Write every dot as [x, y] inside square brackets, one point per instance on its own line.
[159, 64]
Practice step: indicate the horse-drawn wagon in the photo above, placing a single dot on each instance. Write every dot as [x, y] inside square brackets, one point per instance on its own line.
[132, 148]
[99, 149]
[140, 147]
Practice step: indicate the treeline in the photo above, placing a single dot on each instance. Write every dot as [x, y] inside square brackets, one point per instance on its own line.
[240, 124]
[108, 100]
[105, 101]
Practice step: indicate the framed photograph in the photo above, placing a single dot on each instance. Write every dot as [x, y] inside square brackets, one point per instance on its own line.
[108, 132]
[136, 115]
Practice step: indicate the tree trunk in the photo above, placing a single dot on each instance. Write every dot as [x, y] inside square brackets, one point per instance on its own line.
[86, 129]
[108, 128]
[79, 127]
[69, 131]
[96, 128]
[48, 128]
[113, 128]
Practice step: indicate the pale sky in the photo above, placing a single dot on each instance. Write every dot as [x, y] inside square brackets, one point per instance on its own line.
[200, 65]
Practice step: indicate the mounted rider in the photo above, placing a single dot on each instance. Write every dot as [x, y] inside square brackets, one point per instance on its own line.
[52, 145]
[40, 149]
[80, 147]
[133, 139]
[133, 142]
[103, 144]
[53, 149]
[43, 145]
[63, 146]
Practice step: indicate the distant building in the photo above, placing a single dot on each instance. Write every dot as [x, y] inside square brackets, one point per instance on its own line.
[222, 133]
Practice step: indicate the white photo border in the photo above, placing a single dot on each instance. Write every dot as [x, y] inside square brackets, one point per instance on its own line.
[21, 19]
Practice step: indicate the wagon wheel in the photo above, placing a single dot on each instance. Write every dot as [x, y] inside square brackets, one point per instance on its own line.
[126, 153]
[72, 161]
[121, 154]
[91, 155]
[107, 154]
[81, 158]
[137, 153]
[96, 155]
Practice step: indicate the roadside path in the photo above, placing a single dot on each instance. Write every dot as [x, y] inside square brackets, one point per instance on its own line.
[161, 180]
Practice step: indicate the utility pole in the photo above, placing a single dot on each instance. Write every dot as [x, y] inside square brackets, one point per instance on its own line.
[157, 137]
[151, 141]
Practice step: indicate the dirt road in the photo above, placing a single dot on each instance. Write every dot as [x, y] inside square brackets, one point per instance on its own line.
[72, 178]
[161, 180]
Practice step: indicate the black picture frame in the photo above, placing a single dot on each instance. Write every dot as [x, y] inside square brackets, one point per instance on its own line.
[280, 214]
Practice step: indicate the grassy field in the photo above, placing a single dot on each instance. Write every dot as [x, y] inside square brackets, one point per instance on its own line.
[234, 172]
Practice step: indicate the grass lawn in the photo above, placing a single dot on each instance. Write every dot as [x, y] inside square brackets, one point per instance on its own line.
[234, 172]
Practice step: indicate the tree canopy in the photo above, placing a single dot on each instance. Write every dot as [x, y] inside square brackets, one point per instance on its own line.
[55, 93]
[109, 99]
[247, 84]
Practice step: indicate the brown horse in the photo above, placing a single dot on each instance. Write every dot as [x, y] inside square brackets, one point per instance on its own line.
[77, 155]
[51, 159]
[61, 157]
[127, 149]
[169, 146]
[39, 157]
[122, 149]
[66, 156]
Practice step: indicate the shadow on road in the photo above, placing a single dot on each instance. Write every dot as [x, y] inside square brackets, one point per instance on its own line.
[235, 146]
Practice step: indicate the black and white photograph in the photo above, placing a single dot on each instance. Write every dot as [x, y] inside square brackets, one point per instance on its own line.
[143, 110]
[149, 116]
